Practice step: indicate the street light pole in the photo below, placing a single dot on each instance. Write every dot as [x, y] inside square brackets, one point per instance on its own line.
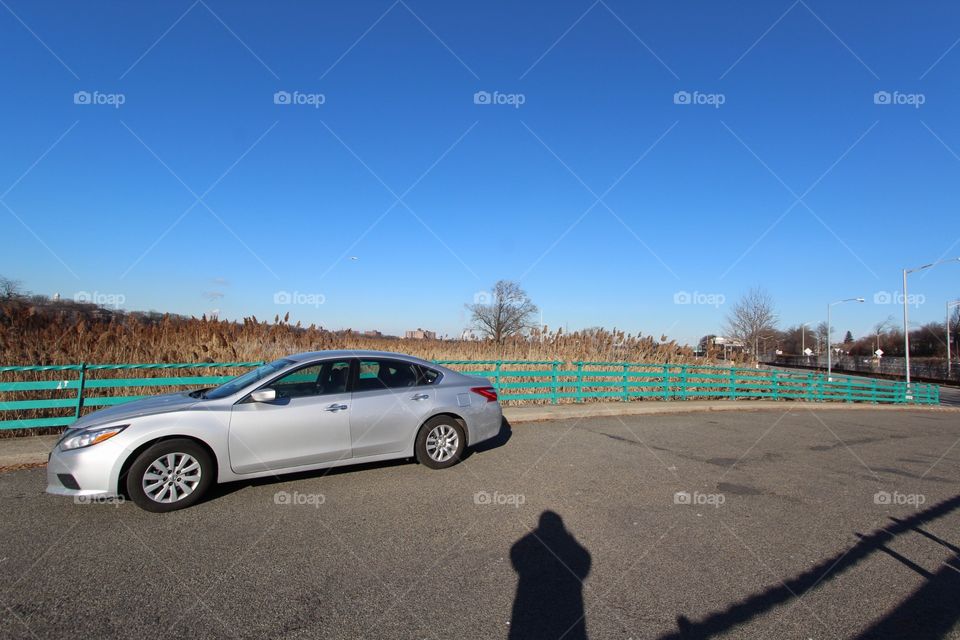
[906, 329]
[829, 346]
[906, 314]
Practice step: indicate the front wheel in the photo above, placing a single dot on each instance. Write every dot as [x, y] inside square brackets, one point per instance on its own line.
[170, 475]
[440, 443]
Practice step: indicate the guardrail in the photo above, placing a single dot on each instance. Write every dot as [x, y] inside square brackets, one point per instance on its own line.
[515, 380]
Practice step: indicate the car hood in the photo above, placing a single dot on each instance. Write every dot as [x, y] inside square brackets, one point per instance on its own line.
[137, 408]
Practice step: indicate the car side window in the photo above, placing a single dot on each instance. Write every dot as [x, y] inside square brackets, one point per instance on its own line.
[429, 376]
[315, 380]
[387, 374]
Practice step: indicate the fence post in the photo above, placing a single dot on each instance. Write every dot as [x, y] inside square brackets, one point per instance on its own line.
[849, 389]
[80, 384]
[496, 376]
[554, 399]
[776, 386]
[808, 390]
[733, 383]
[873, 391]
[683, 381]
[579, 382]
[666, 382]
[626, 394]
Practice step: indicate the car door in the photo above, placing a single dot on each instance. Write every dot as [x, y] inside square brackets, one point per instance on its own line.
[308, 423]
[391, 399]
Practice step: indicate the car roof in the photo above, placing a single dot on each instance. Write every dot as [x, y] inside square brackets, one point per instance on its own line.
[354, 353]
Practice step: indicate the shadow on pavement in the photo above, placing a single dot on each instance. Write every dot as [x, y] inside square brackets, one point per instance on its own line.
[929, 613]
[551, 566]
[502, 437]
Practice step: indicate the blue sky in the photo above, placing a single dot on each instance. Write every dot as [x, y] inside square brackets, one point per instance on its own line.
[658, 149]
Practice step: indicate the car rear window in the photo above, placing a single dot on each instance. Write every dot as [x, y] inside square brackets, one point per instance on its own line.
[428, 376]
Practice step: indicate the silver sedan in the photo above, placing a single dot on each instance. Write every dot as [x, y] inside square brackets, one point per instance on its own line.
[304, 412]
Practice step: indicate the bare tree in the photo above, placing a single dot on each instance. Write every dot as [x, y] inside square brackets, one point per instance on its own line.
[507, 311]
[823, 337]
[882, 327]
[10, 289]
[752, 318]
[955, 332]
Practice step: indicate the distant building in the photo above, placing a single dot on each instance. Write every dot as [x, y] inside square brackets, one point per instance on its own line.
[726, 345]
[420, 334]
[372, 333]
[729, 345]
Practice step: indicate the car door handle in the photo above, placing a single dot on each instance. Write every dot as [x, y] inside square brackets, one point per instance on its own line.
[420, 396]
[336, 407]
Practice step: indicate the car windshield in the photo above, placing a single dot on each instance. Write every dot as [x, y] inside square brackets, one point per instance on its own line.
[231, 387]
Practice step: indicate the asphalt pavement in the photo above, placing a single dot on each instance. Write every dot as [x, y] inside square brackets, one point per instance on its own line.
[786, 523]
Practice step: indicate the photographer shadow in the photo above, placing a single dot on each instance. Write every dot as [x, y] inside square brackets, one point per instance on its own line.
[551, 567]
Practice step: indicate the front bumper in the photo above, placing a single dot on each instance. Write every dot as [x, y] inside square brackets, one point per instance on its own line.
[83, 472]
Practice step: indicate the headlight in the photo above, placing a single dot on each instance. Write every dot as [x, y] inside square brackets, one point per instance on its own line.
[91, 437]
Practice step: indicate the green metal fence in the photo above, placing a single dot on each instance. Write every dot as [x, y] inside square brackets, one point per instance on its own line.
[62, 392]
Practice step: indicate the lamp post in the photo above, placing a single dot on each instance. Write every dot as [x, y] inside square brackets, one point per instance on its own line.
[829, 331]
[950, 304]
[906, 313]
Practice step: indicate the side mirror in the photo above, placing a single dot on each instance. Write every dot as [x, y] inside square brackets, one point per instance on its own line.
[263, 395]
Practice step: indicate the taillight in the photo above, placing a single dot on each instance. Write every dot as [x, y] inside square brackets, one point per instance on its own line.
[487, 392]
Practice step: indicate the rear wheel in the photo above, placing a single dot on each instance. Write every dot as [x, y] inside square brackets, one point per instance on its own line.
[440, 443]
[170, 475]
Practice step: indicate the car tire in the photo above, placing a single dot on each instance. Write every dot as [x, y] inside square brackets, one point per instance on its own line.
[170, 475]
[441, 442]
